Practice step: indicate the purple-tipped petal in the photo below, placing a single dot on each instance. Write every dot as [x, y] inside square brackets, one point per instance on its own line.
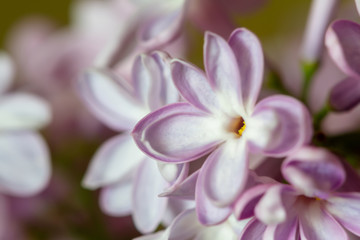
[225, 172]
[110, 99]
[342, 41]
[116, 159]
[314, 171]
[223, 74]
[317, 224]
[148, 208]
[249, 56]
[25, 165]
[345, 95]
[116, 199]
[291, 127]
[207, 212]
[194, 86]
[183, 190]
[254, 230]
[178, 133]
[345, 207]
[6, 71]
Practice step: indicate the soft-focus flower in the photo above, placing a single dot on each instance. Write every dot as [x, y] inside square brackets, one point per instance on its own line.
[309, 208]
[24, 158]
[221, 118]
[131, 181]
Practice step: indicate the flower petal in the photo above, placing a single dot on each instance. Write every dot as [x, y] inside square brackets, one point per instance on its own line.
[254, 230]
[291, 128]
[345, 95]
[25, 166]
[116, 199]
[110, 99]
[148, 208]
[287, 230]
[344, 47]
[178, 133]
[225, 172]
[173, 173]
[6, 71]
[316, 224]
[250, 60]
[194, 86]
[345, 208]
[185, 226]
[116, 158]
[22, 111]
[315, 171]
[223, 74]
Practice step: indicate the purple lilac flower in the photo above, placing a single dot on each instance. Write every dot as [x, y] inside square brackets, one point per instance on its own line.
[221, 118]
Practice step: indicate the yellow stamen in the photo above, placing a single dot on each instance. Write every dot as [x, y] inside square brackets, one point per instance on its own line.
[317, 199]
[242, 129]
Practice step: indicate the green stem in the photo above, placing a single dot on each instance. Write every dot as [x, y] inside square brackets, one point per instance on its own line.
[320, 115]
[308, 70]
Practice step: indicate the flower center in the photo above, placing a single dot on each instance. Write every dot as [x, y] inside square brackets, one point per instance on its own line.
[237, 126]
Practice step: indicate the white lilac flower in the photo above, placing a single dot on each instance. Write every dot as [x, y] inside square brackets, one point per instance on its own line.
[222, 119]
[131, 181]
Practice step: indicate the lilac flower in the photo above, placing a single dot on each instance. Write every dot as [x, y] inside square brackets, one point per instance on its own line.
[131, 181]
[309, 208]
[221, 118]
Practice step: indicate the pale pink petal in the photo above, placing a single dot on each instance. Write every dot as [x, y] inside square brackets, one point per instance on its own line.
[254, 230]
[175, 207]
[25, 163]
[317, 224]
[225, 172]
[314, 171]
[160, 235]
[148, 207]
[250, 60]
[343, 46]
[345, 95]
[345, 207]
[173, 173]
[110, 99]
[283, 122]
[116, 199]
[178, 133]
[223, 74]
[115, 159]
[23, 111]
[185, 226]
[7, 71]
[194, 86]
[183, 190]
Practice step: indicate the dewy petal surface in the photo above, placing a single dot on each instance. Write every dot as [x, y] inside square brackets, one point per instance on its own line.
[249, 57]
[116, 158]
[292, 130]
[223, 74]
[22, 111]
[345, 207]
[342, 41]
[225, 172]
[194, 86]
[148, 207]
[178, 133]
[25, 166]
[111, 100]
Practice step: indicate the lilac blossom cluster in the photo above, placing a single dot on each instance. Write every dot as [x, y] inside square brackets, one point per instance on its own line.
[203, 153]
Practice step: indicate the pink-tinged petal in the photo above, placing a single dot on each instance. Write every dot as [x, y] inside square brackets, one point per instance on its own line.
[22, 111]
[185, 226]
[343, 46]
[25, 165]
[110, 99]
[194, 86]
[207, 212]
[223, 74]
[345, 95]
[250, 60]
[314, 171]
[283, 121]
[148, 208]
[254, 230]
[116, 199]
[317, 224]
[183, 190]
[7, 71]
[152, 80]
[274, 206]
[173, 173]
[178, 133]
[175, 207]
[225, 172]
[160, 235]
[345, 207]
[115, 159]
